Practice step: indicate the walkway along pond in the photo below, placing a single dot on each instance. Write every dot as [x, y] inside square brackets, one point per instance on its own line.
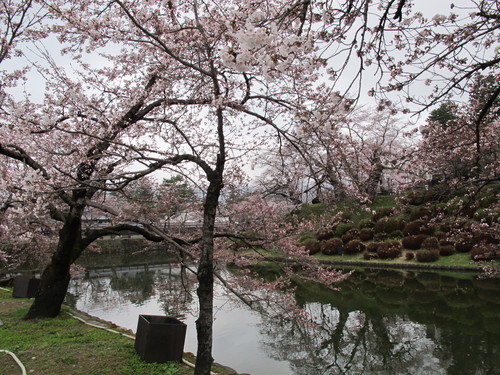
[381, 321]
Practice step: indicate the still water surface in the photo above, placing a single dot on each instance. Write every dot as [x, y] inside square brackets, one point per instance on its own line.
[380, 322]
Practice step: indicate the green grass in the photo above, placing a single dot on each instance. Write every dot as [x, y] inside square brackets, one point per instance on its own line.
[64, 345]
[429, 205]
[384, 201]
[456, 260]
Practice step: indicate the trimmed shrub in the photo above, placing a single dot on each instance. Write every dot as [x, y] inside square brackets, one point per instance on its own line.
[464, 245]
[430, 243]
[486, 236]
[426, 256]
[325, 235]
[485, 252]
[389, 250]
[366, 234]
[396, 234]
[342, 229]
[369, 256]
[447, 250]
[445, 227]
[418, 227]
[333, 246]
[409, 255]
[382, 236]
[413, 242]
[389, 224]
[312, 247]
[352, 234]
[366, 223]
[396, 244]
[446, 242]
[441, 236]
[354, 247]
[372, 247]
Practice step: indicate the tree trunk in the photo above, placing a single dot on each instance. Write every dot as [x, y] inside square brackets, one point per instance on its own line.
[373, 180]
[205, 291]
[56, 276]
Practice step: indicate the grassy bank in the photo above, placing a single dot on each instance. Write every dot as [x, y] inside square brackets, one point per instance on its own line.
[456, 261]
[438, 227]
[65, 345]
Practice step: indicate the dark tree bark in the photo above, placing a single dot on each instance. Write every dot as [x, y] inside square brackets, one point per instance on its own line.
[374, 178]
[205, 291]
[56, 276]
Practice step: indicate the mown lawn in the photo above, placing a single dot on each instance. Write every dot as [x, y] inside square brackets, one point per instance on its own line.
[455, 260]
[64, 345]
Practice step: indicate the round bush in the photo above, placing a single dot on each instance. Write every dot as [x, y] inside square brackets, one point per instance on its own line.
[332, 247]
[464, 245]
[389, 224]
[485, 252]
[396, 244]
[426, 256]
[352, 234]
[418, 227]
[312, 247]
[354, 247]
[447, 250]
[342, 229]
[325, 235]
[366, 223]
[413, 242]
[430, 243]
[369, 256]
[366, 234]
[396, 234]
[387, 250]
[409, 255]
[382, 236]
[372, 247]
[486, 236]
[446, 242]
[445, 227]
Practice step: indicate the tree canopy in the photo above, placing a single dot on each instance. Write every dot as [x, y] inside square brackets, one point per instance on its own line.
[138, 90]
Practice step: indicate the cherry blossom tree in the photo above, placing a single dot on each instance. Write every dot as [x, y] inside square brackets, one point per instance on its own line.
[19, 21]
[460, 142]
[285, 175]
[354, 154]
[185, 82]
[67, 154]
[177, 85]
[423, 60]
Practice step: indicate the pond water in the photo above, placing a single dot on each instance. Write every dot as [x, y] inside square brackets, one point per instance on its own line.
[380, 322]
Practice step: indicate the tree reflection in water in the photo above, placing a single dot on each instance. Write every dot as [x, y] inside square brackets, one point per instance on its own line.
[380, 322]
[170, 284]
[390, 322]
